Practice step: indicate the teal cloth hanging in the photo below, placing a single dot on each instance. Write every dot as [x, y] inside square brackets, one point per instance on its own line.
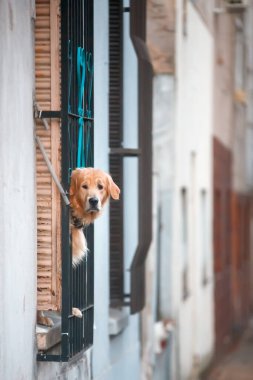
[88, 111]
[81, 76]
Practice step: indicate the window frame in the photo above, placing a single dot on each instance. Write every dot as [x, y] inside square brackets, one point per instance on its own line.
[76, 333]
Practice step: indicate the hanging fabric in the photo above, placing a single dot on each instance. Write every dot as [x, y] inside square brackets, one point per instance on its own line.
[81, 76]
[89, 103]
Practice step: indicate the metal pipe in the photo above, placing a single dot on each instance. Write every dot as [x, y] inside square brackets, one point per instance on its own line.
[52, 171]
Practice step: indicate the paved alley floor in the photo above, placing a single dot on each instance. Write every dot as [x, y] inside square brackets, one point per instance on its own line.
[238, 364]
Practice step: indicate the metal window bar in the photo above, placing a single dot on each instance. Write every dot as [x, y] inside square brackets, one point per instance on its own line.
[77, 141]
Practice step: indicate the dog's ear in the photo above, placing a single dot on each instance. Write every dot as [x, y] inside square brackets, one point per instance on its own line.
[114, 190]
[73, 182]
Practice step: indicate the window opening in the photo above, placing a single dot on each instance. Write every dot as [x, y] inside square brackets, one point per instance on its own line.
[184, 243]
[204, 235]
[77, 125]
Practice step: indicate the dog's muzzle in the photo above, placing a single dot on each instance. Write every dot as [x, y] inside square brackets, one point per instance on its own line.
[93, 203]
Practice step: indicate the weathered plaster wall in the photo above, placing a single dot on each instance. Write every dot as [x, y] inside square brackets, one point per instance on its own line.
[78, 369]
[17, 182]
[161, 34]
[182, 136]
[194, 123]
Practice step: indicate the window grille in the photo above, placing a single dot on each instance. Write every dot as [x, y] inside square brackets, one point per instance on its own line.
[76, 116]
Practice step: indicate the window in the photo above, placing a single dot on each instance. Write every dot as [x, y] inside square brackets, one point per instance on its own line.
[184, 243]
[68, 99]
[136, 298]
[204, 235]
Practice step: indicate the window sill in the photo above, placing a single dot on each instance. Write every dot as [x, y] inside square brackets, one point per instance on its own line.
[118, 321]
[47, 337]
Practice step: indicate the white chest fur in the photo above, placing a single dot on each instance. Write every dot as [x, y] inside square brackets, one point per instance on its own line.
[79, 245]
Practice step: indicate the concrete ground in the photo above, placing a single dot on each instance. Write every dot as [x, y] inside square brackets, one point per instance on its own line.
[238, 364]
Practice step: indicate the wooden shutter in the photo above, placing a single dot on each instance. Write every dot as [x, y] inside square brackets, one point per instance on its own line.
[115, 140]
[47, 94]
[144, 152]
[138, 18]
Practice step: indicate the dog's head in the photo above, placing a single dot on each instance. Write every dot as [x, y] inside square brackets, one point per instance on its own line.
[89, 190]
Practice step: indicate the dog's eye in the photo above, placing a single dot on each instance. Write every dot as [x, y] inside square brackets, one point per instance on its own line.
[85, 187]
[100, 187]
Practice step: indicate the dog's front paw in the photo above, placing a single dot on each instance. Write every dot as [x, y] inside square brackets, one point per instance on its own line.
[77, 312]
[43, 320]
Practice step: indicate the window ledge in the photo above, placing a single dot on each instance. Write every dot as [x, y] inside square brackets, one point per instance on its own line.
[118, 321]
[48, 337]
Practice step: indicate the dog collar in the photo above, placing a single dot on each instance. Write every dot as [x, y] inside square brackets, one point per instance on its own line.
[76, 222]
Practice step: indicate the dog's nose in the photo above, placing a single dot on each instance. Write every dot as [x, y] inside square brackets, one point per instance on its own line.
[93, 201]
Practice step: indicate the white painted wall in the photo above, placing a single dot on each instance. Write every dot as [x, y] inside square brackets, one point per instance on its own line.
[158, 263]
[101, 358]
[18, 203]
[194, 107]
[163, 169]
[80, 369]
[183, 106]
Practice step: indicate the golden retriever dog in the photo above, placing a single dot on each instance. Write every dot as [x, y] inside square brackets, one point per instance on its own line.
[89, 191]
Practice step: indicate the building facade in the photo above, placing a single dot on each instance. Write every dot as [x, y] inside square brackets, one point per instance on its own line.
[202, 179]
[232, 179]
[188, 262]
[24, 73]
[182, 49]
